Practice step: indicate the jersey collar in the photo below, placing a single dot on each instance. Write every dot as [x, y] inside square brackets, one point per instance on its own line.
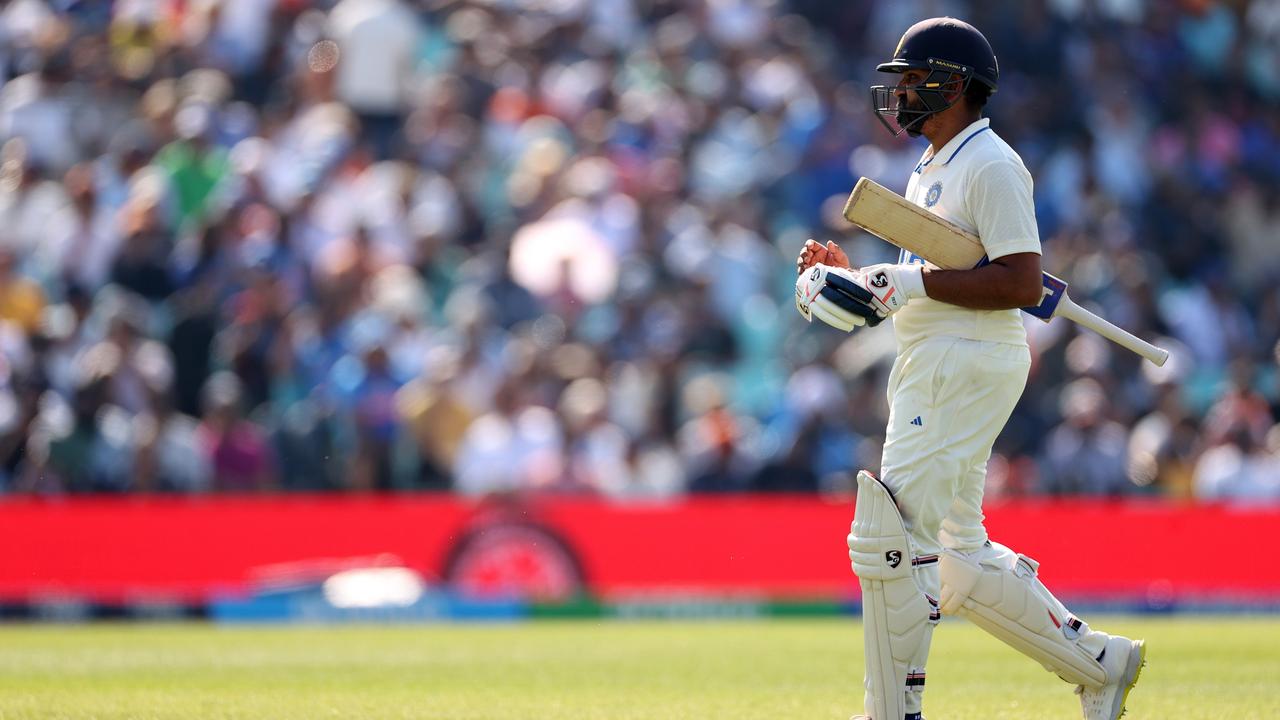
[955, 144]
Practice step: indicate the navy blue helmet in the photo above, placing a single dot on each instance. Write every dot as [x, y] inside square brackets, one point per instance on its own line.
[952, 52]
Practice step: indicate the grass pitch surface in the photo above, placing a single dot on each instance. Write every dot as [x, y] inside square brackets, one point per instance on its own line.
[767, 669]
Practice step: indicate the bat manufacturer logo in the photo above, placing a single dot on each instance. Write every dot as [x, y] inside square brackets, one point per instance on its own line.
[894, 558]
[880, 280]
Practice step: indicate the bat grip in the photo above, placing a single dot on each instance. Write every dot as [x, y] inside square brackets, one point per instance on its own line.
[1070, 310]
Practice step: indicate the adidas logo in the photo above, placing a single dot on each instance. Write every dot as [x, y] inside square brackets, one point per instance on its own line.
[918, 422]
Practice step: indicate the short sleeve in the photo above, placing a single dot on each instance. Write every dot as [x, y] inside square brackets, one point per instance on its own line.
[1002, 209]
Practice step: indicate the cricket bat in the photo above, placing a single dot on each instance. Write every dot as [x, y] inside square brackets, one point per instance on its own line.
[891, 217]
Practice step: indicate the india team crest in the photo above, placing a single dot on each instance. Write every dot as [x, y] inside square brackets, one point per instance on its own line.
[935, 192]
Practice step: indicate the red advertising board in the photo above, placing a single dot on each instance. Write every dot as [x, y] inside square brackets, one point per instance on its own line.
[121, 549]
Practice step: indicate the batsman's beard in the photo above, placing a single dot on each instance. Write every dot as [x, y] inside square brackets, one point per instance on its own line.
[916, 114]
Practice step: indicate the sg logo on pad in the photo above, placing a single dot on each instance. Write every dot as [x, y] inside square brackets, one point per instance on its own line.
[894, 557]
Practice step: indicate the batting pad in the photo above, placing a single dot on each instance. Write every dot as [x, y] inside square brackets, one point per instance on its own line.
[997, 589]
[897, 616]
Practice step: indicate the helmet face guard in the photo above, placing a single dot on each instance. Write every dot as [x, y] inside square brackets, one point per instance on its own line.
[890, 106]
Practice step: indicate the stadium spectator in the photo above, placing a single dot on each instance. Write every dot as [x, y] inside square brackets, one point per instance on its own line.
[1086, 454]
[235, 448]
[379, 42]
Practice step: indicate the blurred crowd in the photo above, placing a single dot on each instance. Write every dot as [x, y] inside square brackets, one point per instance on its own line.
[491, 245]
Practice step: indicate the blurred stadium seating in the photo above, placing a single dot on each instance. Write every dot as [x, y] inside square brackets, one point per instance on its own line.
[464, 246]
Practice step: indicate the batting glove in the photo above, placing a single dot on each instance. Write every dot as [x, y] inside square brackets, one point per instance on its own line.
[834, 296]
[891, 286]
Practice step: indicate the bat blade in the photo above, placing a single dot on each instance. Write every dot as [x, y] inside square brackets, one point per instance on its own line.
[892, 218]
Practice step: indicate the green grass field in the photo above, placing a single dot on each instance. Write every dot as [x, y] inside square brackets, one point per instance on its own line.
[1198, 668]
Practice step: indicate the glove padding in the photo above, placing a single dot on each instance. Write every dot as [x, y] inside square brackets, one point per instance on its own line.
[892, 286]
[835, 296]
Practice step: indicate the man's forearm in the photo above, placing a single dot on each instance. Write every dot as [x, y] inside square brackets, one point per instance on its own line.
[991, 287]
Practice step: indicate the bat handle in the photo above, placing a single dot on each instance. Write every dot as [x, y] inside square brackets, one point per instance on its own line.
[1070, 310]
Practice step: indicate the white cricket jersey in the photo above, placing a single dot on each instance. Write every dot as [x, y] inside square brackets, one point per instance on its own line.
[979, 183]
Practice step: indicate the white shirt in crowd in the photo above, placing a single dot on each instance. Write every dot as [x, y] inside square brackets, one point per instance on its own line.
[379, 41]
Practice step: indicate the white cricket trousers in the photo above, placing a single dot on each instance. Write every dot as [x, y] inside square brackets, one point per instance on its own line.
[948, 400]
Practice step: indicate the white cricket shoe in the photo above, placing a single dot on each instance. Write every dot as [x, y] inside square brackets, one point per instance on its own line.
[1123, 660]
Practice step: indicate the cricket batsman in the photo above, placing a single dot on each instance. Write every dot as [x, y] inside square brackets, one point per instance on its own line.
[917, 542]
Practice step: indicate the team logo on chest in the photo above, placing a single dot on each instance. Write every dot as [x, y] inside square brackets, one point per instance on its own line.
[935, 192]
